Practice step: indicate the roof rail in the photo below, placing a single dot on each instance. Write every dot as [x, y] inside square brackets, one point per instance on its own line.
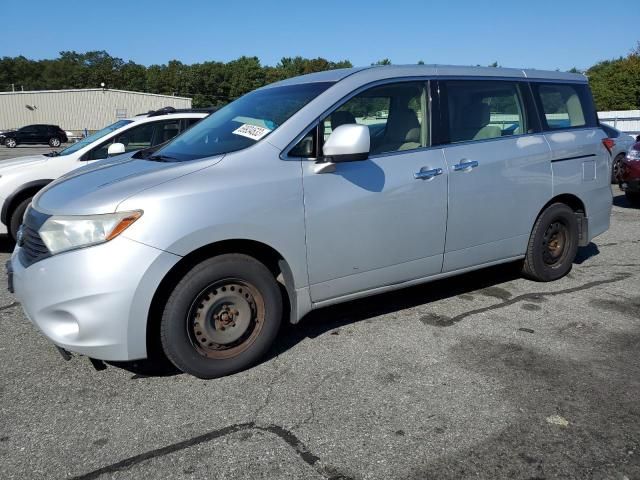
[169, 110]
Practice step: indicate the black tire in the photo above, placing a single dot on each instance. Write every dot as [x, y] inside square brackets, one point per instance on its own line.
[16, 218]
[54, 142]
[616, 167]
[633, 197]
[553, 244]
[235, 301]
[10, 143]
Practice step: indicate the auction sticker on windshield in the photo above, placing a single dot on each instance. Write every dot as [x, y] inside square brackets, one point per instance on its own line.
[253, 132]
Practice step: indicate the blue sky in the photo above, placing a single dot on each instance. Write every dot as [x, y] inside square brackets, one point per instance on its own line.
[537, 33]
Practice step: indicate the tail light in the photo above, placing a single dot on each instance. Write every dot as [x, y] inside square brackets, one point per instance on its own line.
[609, 143]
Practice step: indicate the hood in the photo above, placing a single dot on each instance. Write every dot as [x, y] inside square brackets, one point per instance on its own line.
[22, 161]
[100, 187]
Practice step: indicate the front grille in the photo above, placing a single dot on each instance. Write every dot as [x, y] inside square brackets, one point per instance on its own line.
[32, 248]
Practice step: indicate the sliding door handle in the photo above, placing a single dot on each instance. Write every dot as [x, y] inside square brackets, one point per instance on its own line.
[465, 165]
[427, 174]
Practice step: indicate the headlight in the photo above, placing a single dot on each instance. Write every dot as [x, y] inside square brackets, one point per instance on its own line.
[633, 155]
[60, 233]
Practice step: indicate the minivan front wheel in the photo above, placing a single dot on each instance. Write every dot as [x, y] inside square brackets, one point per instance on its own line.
[10, 143]
[553, 244]
[222, 317]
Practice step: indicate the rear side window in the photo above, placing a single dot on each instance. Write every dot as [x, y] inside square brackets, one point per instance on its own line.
[565, 106]
[481, 110]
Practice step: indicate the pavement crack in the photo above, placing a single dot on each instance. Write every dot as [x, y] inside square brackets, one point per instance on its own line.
[11, 305]
[287, 436]
[267, 399]
[441, 321]
[312, 395]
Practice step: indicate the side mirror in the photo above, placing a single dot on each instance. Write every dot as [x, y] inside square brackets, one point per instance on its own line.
[115, 149]
[347, 143]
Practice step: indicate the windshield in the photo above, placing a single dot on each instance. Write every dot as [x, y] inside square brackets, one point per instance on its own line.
[94, 136]
[241, 123]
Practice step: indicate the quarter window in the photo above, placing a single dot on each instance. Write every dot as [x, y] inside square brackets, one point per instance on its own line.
[564, 105]
[480, 110]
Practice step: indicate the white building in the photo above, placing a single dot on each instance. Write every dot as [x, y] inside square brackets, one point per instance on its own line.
[76, 110]
[627, 121]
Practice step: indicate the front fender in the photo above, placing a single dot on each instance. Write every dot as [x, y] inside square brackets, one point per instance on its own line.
[33, 186]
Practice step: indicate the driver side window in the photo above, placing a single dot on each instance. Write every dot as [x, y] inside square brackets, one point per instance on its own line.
[135, 138]
[394, 113]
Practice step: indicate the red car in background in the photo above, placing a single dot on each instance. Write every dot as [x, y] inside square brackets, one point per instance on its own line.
[629, 179]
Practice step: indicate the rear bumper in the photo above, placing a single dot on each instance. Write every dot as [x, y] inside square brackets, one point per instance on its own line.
[93, 301]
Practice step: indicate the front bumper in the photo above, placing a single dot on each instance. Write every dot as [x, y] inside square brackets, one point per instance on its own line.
[94, 301]
[630, 176]
[630, 185]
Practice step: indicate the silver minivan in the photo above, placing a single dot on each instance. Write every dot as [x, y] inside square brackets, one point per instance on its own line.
[309, 192]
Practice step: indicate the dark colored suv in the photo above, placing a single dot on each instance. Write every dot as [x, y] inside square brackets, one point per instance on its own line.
[51, 135]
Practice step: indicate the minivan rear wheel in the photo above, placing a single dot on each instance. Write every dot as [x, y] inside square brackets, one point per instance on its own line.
[553, 244]
[54, 142]
[222, 317]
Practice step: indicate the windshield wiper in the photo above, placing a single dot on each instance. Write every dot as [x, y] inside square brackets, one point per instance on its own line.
[161, 158]
[55, 153]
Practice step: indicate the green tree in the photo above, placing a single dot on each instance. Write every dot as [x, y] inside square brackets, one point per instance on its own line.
[616, 83]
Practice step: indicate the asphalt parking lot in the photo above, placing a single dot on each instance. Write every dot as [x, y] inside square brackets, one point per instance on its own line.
[22, 150]
[486, 375]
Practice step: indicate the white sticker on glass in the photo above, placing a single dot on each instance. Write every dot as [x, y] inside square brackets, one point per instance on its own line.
[253, 132]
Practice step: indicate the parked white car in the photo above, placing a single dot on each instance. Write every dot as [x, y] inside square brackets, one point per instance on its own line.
[21, 178]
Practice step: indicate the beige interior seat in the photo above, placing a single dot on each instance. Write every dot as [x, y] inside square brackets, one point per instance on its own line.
[574, 109]
[401, 133]
[473, 123]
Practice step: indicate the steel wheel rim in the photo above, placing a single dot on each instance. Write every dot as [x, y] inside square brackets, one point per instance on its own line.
[617, 169]
[554, 243]
[225, 318]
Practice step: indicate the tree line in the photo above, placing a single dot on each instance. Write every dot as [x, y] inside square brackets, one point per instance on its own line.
[615, 83]
[208, 83]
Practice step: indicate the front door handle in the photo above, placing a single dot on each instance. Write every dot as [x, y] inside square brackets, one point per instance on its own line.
[465, 165]
[427, 174]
